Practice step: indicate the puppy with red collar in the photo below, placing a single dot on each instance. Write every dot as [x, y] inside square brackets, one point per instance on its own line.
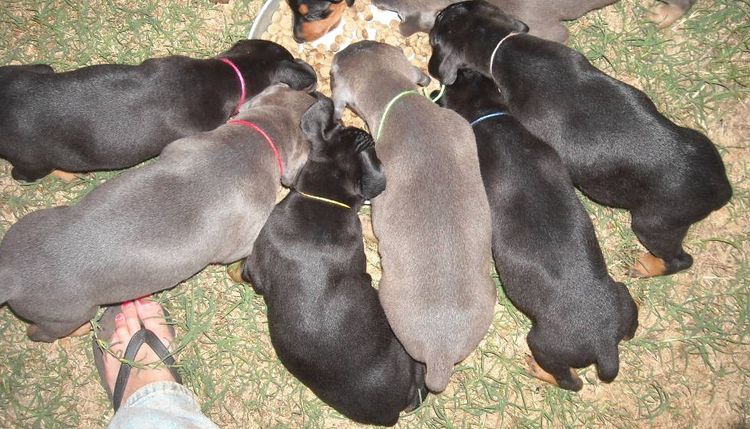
[113, 116]
[312, 19]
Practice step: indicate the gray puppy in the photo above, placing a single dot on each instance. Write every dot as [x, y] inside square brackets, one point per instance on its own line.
[544, 17]
[433, 220]
[203, 201]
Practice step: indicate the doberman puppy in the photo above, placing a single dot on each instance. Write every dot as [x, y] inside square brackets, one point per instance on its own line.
[308, 262]
[312, 19]
[433, 220]
[544, 17]
[544, 244]
[618, 149]
[203, 201]
[107, 117]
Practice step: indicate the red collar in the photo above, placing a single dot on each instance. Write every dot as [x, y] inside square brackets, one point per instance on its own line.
[260, 131]
[242, 83]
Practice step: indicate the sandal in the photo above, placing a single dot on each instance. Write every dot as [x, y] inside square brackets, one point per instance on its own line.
[105, 330]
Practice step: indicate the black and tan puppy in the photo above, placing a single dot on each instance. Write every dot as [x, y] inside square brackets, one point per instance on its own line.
[107, 117]
[544, 244]
[312, 19]
[203, 201]
[325, 320]
[618, 149]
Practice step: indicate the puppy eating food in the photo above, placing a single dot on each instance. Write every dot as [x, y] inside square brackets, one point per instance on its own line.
[618, 149]
[203, 201]
[107, 117]
[544, 17]
[433, 220]
[544, 244]
[308, 262]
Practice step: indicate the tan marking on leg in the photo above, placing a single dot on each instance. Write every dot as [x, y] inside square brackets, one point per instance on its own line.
[538, 372]
[541, 374]
[64, 175]
[648, 265]
[235, 272]
[83, 330]
[664, 14]
[314, 30]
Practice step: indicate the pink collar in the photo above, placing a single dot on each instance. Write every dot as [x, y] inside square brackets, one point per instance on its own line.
[242, 83]
[254, 127]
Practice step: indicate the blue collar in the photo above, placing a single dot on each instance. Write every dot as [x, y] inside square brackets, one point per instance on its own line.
[491, 115]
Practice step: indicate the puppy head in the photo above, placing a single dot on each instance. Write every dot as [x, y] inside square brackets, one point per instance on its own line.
[470, 92]
[457, 32]
[311, 19]
[342, 159]
[265, 63]
[366, 62]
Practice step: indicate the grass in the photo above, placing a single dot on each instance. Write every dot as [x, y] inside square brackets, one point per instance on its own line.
[688, 366]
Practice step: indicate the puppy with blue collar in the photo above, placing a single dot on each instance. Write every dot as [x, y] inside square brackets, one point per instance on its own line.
[544, 244]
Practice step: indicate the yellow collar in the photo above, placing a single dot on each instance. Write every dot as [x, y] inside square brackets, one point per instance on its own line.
[325, 200]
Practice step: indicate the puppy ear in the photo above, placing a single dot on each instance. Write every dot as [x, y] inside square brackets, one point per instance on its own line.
[297, 74]
[317, 120]
[520, 26]
[420, 77]
[442, 66]
[372, 181]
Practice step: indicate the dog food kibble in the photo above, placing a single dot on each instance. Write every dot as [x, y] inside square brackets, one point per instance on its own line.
[358, 23]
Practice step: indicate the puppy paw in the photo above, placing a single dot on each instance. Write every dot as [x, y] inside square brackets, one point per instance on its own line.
[664, 14]
[234, 271]
[64, 175]
[648, 265]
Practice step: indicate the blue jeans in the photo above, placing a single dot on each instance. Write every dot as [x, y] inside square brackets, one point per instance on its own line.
[161, 405]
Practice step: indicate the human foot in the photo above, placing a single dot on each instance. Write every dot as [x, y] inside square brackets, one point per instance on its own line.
[132, 324]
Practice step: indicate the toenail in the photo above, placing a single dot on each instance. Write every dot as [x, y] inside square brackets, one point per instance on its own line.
[126, 304]
[120, 317]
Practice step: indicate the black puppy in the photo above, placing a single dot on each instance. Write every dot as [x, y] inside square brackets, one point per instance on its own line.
[107, 117]
[312, 19]
[325, 320]
[544, 244]
[619, 150]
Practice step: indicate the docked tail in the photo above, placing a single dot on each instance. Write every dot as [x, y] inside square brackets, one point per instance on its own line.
[438, 373]
[608, 363]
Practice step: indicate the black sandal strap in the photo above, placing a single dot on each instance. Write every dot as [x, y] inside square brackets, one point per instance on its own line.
[136, 342]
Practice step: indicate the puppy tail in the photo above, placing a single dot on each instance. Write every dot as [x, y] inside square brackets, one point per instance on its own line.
[608, 363]
[438, 373]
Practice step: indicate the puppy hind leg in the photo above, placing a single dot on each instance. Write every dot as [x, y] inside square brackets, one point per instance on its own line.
[666, 255]
[47, 332]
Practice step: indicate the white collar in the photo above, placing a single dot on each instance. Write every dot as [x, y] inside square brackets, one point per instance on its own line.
[492, 58]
